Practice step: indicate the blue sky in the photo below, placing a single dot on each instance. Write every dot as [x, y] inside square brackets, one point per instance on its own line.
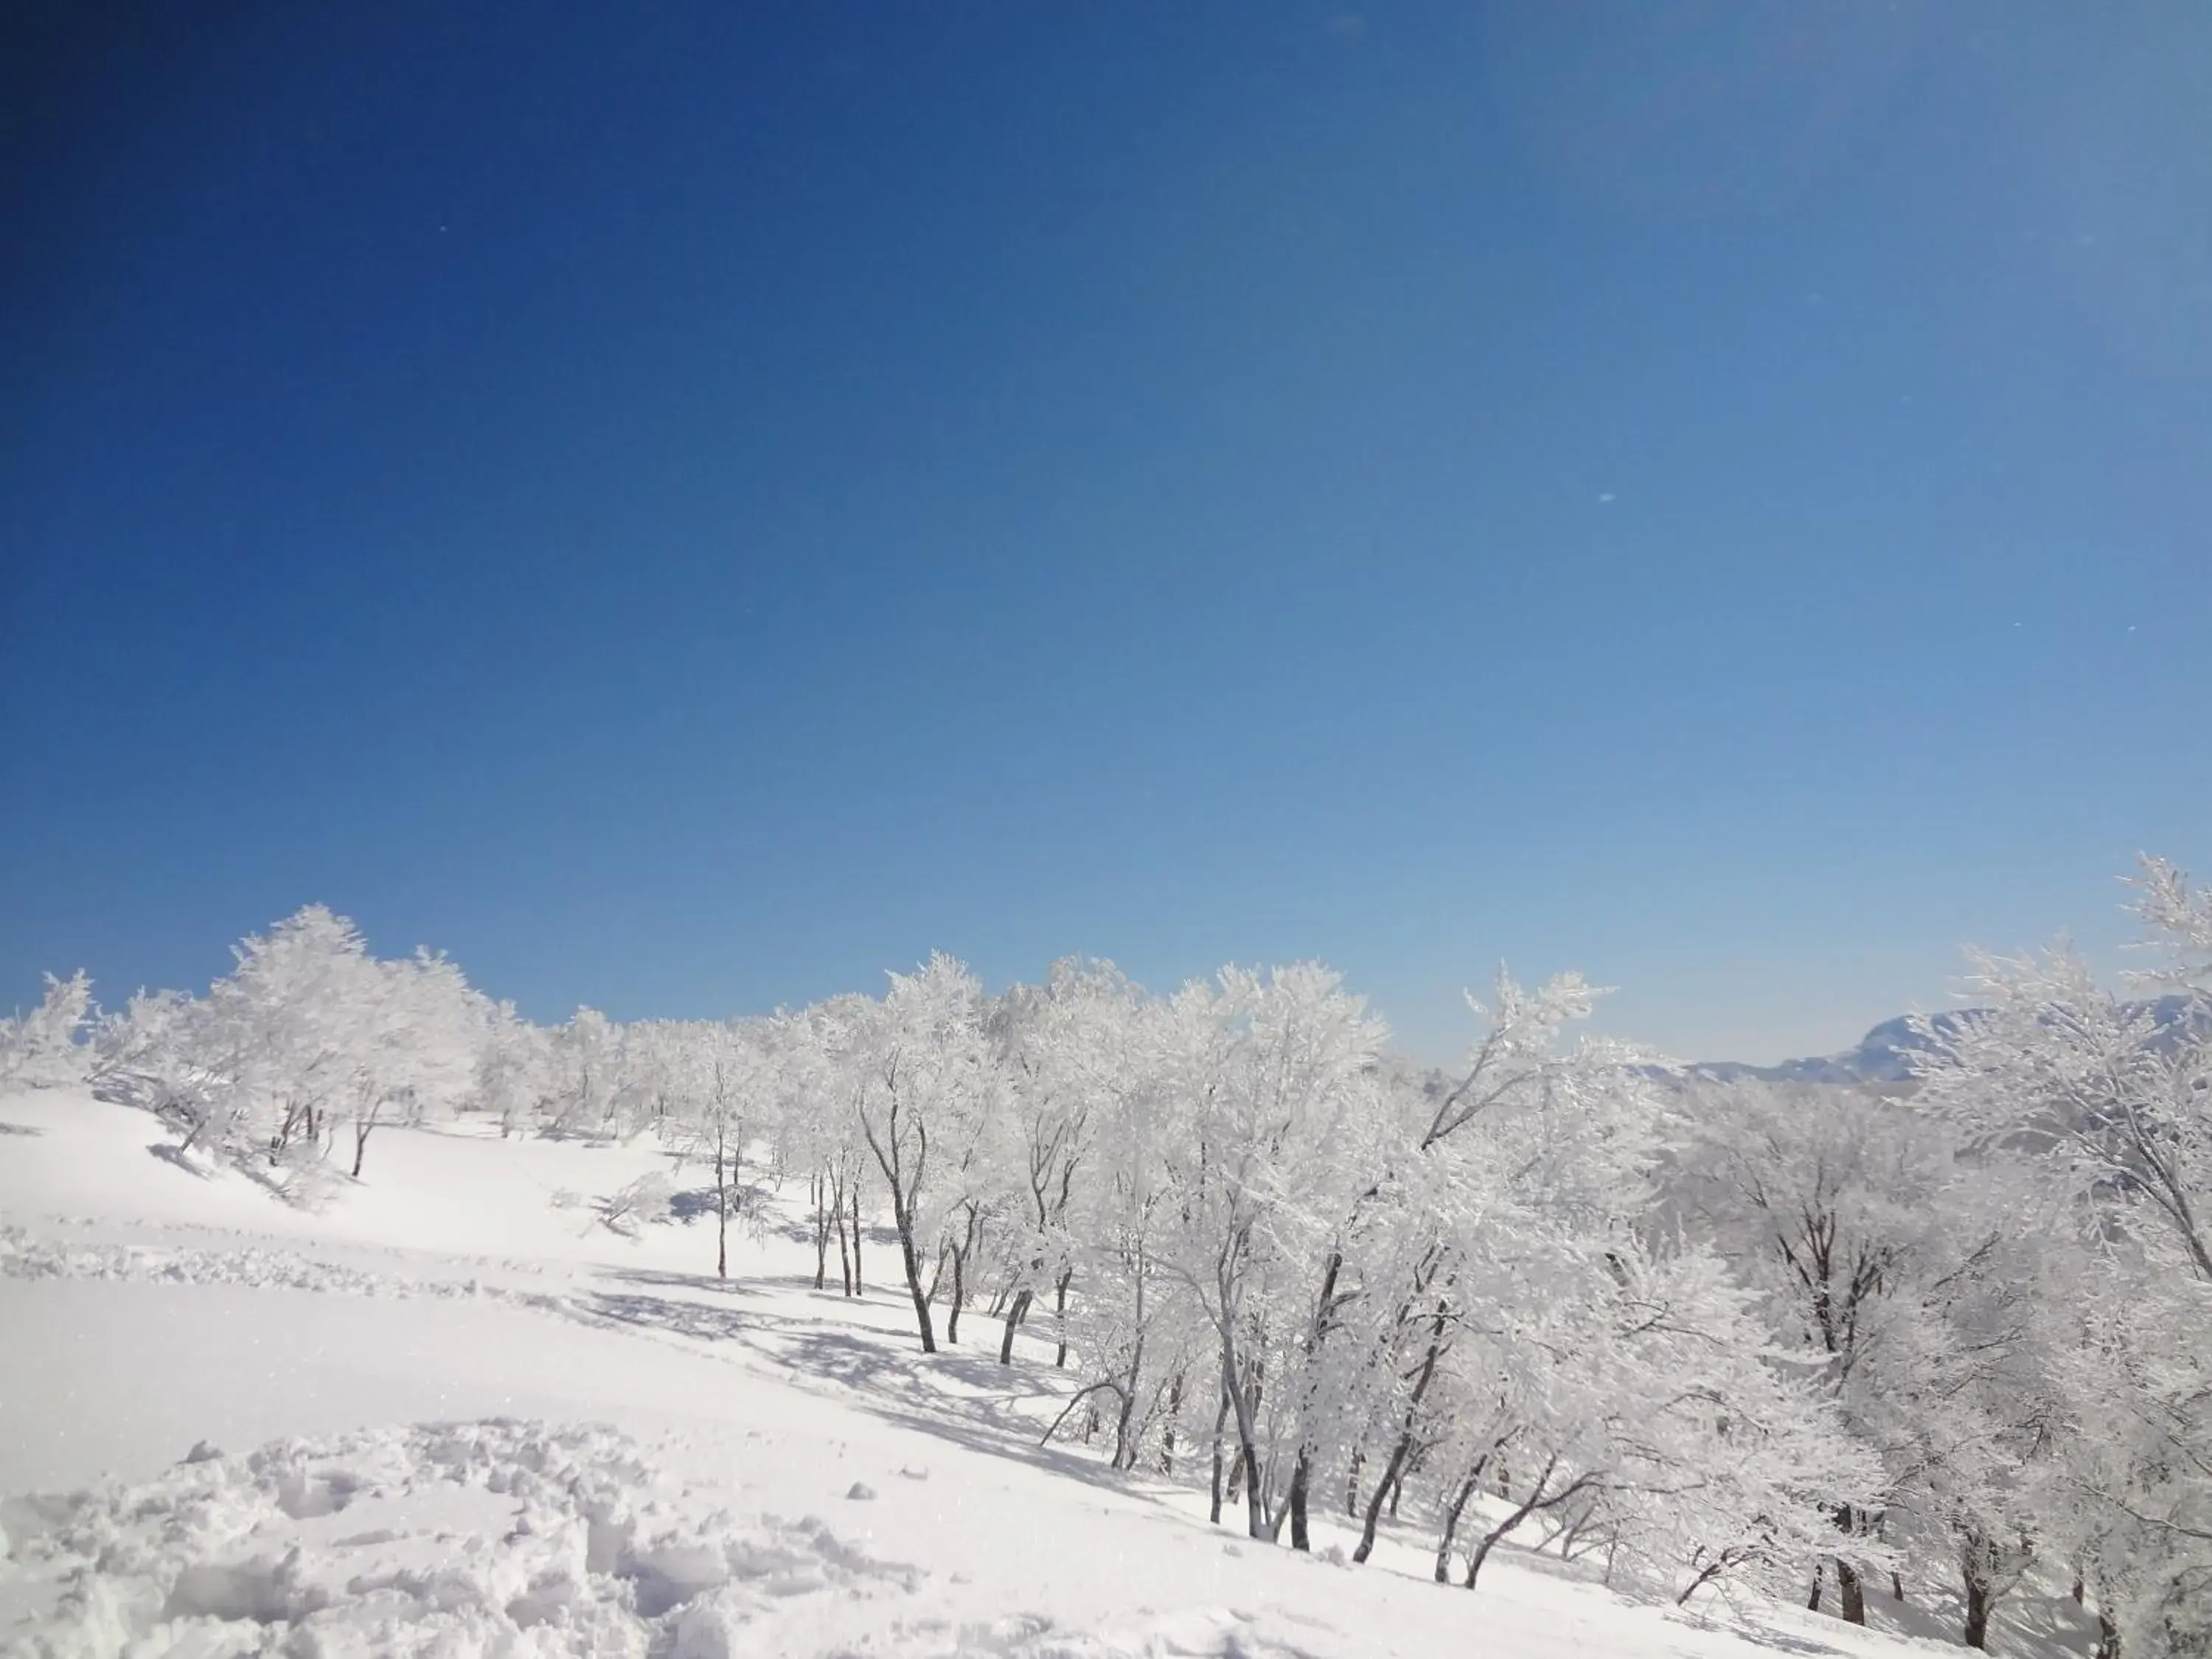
[687, 508]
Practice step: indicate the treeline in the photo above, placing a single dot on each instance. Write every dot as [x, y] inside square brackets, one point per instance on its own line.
[1822, 1340]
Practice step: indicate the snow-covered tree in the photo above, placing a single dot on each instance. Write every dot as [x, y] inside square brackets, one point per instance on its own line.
[588, 1074]
[1836, 1204]
[818, 1130]
[415, 1036]
[1064, 1059]
[720, 1093]
[920, 1064]
[513, 1059]
[307, 1035]
[39, 1049]
[1275, 1072]
[2107, 1104]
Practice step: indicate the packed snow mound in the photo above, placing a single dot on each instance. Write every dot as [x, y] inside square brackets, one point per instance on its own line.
[496, 1537]
[457, 1539]
[22, 1256]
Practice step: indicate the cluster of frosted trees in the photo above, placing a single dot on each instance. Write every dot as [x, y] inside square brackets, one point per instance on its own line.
[306, 1048]
[39, 1049]
[1813, 1338]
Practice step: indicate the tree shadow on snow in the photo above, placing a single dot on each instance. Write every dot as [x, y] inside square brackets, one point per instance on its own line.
[960, 1395]
[1761, 1636]
[998, 1418]
[661, 1279]
[2036, 1621]
[700, 1320]
[175, 1156]
[7, 1128]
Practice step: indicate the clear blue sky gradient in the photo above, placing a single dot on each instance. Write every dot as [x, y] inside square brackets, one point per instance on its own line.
[688, 507]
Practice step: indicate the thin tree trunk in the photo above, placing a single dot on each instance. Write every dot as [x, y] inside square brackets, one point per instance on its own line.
[1125, 1454]
[721, 1219]
[913, 1262]
[1060, 1313]
[821, 1238]
[2108, 1637]
[1167, 1436]
[959, 1296]
[1706, 1574]
[1383, 1488]
[1248, 1447]
[1394, 1469]
[1300, 1539]
[1220, 1421]
[1452, 1513]
[1015, 1315]
[363, 1125]
[1528, 1506]
[858, 1287]
[844, 1261]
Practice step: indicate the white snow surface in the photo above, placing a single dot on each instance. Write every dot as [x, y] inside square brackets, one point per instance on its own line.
[446, 1414]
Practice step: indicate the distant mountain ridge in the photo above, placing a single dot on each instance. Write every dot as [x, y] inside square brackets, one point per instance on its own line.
[1883, 1054]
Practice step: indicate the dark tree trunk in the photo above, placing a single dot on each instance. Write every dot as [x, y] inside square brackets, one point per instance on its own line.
[1300, 1539]
[1813, 1602]
[1394, 1471]
[1060, 1313]
[1850, 1587]
[959, 1296]
[1712, 1570]
[361, 1128]
[1125, 1453]
[1385, 1492]
[844, 1260]
[821, 1238]
[1850, 1592]
[1980, 1559]
[721, 1219]
[1015, 1315]
[1528, 1506]
[1452, 1513]
[912, 1263]
[2108, 1637]
[1220, 1421]
[858, 1287]
[1255, 1500]
[1978, 1605]
[1167, 1436]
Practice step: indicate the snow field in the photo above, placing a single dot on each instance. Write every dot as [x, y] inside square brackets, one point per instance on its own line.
[444, 1416]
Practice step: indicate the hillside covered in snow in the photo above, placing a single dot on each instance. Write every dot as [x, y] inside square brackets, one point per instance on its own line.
[346, 1311]
[450, 1411]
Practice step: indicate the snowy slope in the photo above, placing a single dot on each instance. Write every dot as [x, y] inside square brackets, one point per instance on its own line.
[224, 1402]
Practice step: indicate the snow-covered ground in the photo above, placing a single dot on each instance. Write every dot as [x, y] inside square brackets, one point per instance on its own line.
[450, 1412]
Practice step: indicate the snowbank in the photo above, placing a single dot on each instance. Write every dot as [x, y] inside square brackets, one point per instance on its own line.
[496, 1537]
